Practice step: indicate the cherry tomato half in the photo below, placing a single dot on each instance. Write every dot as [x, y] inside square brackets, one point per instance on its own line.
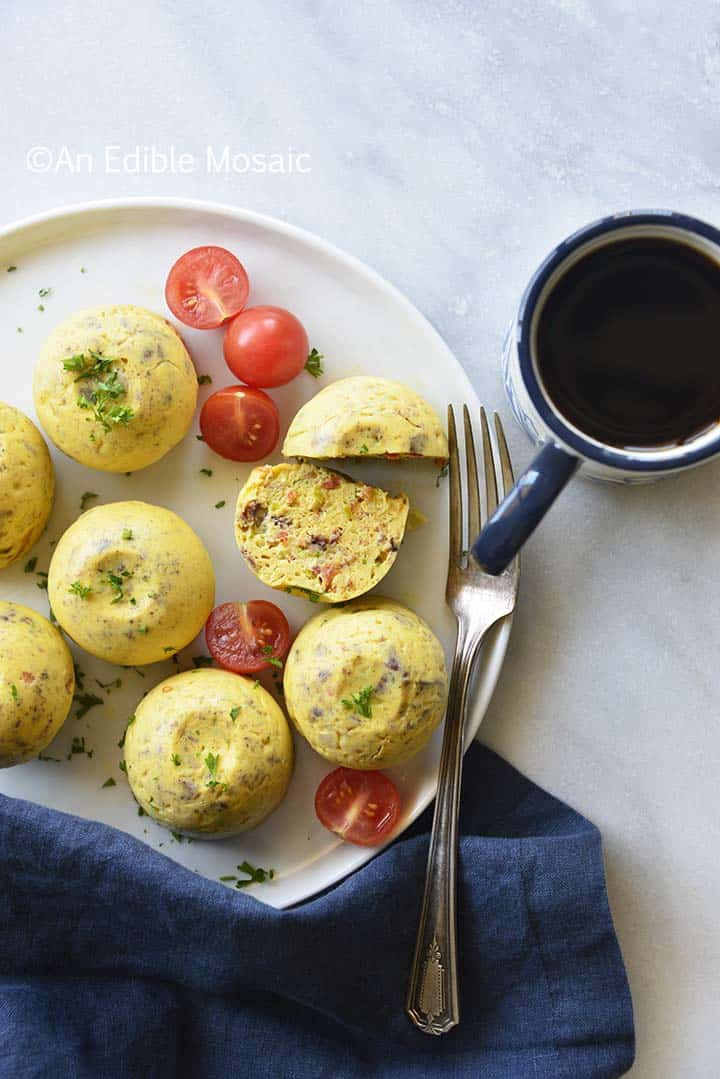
[206, 287]
[240, 423]
[247, 637]
[361, 807]
[266, 346]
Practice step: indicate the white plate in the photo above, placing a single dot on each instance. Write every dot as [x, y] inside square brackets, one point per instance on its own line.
[362, 325]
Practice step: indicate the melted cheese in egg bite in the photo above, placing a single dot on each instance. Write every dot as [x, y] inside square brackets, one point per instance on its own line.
[27, 484]
[36, 683]
[131, 583]
[364, 416]
[209, 753]
[366, 683]
[115, 388]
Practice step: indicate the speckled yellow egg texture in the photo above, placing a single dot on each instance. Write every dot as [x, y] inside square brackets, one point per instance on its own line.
[131, 583]
[36, 683]
[115, 388]
[365, 416]
[304, 528]
[209, 753]
[27, 484]
[366, 683]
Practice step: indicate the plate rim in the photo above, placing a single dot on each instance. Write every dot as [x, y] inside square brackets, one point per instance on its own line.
[501, 632]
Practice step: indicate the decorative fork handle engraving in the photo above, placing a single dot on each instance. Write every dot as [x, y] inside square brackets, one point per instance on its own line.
[433, 998]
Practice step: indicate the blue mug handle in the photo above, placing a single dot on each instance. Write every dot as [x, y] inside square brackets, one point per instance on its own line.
[521, 511]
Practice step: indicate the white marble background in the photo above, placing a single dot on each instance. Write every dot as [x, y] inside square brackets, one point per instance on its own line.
[451, 144]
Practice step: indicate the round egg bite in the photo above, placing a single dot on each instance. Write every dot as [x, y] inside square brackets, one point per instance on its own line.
[115, 388]
[365, 416]
[208, 753]
[131, 583]
[36, 683]
[27, 484]
[366, 683]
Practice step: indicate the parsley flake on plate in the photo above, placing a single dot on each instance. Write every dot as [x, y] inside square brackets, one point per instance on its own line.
[313, 364]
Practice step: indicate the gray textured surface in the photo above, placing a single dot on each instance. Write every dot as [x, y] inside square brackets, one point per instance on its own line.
[451, 144]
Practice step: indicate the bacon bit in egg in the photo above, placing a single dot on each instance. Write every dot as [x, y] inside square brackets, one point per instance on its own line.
[27, 677]
[331, 483]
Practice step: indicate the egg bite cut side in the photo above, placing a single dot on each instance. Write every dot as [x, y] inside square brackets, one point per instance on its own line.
[309, 530]
[209, 753]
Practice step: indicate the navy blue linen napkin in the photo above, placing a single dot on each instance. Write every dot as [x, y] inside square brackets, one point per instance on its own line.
[116, 962]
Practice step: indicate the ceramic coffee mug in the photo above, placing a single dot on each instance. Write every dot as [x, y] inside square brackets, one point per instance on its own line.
[565, 448]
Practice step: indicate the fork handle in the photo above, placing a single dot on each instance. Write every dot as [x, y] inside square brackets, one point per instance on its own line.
[433, 998]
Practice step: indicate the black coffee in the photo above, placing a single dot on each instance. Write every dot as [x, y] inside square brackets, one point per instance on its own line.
[628, 343]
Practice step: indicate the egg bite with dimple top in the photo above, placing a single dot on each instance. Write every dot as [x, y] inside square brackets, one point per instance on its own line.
[208, 753]
[366, 416]
[306, 529]
[27, 484]
[115, 387]
[366, 683]
[37, 683]
[131, 583]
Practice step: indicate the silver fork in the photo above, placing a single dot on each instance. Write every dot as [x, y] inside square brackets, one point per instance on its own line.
[478, 601]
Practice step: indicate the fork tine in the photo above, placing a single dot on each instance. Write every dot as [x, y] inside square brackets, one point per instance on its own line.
[473, 491]
[456, 513]
[505, 465]
[491, 493]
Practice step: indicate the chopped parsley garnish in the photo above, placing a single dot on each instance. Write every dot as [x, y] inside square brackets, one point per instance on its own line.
[143, 629]
[219, 505]
[41, 307]
[14, 691]
[313, 364]
[43, 292]
[360, 701]
[200, 438]
[234, 712]
[364, 449]
[273, 660]
[206, 471]
[107, 388]
[127, 533]
[227, 878]
[83, 269]
[42, 583]
[202, 661]
[11, 269]
[45, 757]
[79, 589]
[31, 564]
[181, 838]
[204, 380]
[109, 783]
[122, 766]
[117, 583]
[442, 473]
[84, 702]
[255, 875]
[211, 762]
[141, 811]
[79, 676]
[78, 747]
[170, 648]
[176, 760]
[87, 497]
